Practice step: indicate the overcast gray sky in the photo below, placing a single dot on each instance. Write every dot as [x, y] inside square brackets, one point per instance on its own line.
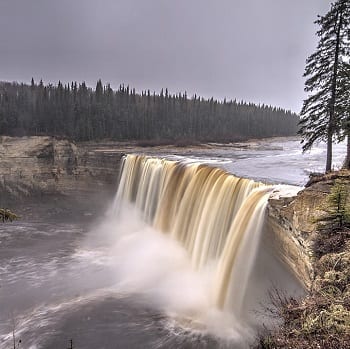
[253, 50]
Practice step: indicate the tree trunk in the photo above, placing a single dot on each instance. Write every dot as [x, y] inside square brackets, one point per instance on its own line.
[332, 116]
[329, 154]
[347, 159]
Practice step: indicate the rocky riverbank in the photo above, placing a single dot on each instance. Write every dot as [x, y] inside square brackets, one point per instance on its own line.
[47, 165]
[48, 170]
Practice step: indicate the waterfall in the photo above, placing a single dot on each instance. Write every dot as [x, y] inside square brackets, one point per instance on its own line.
[215, 216]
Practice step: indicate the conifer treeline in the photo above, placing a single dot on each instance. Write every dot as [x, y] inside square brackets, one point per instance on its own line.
[83, 114]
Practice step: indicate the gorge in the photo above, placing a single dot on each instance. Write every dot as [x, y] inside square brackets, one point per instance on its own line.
[196, 207]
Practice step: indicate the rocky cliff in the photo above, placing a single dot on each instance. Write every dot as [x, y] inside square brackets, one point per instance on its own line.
[35, 166]
[292, 227]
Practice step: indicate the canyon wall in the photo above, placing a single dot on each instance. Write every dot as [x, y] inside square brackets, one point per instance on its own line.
[37, 166]
[291, 227]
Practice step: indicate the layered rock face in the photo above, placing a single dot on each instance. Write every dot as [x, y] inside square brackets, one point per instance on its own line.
[46, 165]
[292, 225]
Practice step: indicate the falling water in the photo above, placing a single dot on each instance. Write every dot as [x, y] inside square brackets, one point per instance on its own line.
[214, 215]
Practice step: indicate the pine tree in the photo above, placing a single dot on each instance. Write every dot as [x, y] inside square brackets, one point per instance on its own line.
[320, 120]
[84, 113]
[337, 207]
[344, 107]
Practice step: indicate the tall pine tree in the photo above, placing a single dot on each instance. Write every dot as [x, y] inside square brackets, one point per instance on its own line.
[320, 117]
[344, 107]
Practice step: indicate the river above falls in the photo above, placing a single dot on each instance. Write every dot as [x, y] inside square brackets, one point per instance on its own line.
[272, 160]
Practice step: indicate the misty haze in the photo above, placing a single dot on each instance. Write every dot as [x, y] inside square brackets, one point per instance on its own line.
[174, 174]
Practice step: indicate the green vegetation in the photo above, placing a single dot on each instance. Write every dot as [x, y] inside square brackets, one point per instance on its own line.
[6, 215]
[82, 114]
[322, 319]
[325, 113]
[337, 207]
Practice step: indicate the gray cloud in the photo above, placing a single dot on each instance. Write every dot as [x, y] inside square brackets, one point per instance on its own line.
[247, 49]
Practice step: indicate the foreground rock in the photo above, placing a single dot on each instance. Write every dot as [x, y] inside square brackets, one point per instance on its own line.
[322, 319]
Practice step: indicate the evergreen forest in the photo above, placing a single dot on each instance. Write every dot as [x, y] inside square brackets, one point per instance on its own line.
[82, 113]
